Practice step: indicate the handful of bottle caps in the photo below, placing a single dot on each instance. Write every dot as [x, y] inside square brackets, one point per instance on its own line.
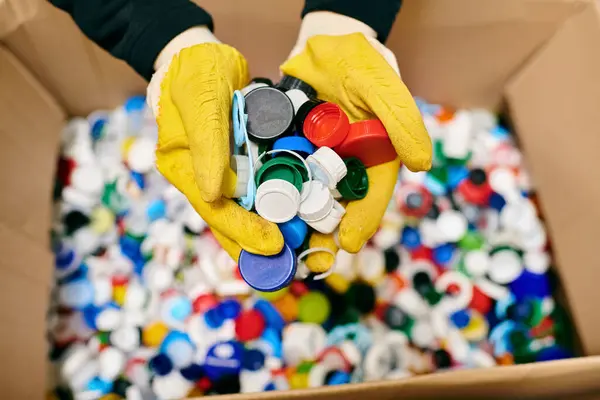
[316, 158]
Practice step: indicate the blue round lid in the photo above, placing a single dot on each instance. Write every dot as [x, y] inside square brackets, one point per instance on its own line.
[172, 337]
[135, 103]
[230, 308]
[192, 372]
[443, 254]
[294, 232]
[223, 358]
[253, 359]
[214, 318]
[530, 284]
[456, 174]
[160, 364]
[99, 385]
[460, 319]
[411, 239]
[268, 273]
[553, 353]
[272, 317]
[157, 209]
[299, 144]
[273, 338]
[89, 315]
[339, 378]
[496, 201]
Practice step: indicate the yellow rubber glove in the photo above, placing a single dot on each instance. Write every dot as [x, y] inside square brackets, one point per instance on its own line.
[191, 94]
[359, 74]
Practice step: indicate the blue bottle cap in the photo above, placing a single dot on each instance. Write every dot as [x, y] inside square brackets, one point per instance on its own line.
[298, 144]
[138, 178]
[496, 201]
[294, 232]
[229, 308]
[135, 103]
[100, 386]
[90, 313]
[530, 284]
[192, 372]
[253, 359]
[178, 347]
[460, 319]
[180, 307]
[553, 353]
[156, 209]
[77, 294]
[411, 239]
[160, 364]
[443, 254]
[456, 174]
[268, 273]
[272, 317]
[273, 338]
[222, 359]
[213, 318]
[339, 378]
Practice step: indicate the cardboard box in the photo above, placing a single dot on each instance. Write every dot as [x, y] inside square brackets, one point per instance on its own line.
[540, 58]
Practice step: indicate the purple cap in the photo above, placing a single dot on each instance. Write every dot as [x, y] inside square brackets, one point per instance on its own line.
[268, 273]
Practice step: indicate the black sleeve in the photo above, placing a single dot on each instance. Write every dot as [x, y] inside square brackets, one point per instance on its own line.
[134, 30]
[378, 14]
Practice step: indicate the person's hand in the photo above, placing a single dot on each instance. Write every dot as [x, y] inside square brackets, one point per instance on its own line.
[341, 59]
[191, 95]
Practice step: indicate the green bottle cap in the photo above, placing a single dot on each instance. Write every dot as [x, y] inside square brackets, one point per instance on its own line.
[313, 307]
[355, 184]
[281, 168]
[304, 367]
[439, 158]
[471, 241]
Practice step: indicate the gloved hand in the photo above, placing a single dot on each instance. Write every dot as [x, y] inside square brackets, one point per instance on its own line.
[342, 60]
[190, 95]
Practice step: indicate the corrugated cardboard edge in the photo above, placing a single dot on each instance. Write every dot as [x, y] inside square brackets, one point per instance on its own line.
[554, 103]
[13, 14]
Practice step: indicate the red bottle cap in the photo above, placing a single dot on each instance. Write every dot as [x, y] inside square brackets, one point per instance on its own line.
[369, 142]
[298, 288]
[475, 194]
[204, 302]
[480, 301]
[326, 125]
[249, 325]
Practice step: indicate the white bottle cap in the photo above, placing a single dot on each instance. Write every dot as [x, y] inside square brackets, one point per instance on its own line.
[378, 362]
[86, 241]
[233, 288]
[88, 179]
[519, 215]
[76, 356]
[84, 374]
[477, 263]
[109, 319]
[351, 352]
[136, 296]
[133, 393]
[141, 157]
[317, 375]
[505, 267]
[345, 264]
[298, 97]
[456, 302]
[78, 199]
[181, 353]
[483, 120]
[411, 302]
[386, 237]
[126, 338]
[439, 323]
[240, 165]
[112, 363]
[77, 294]
[457, 345]
[317, 203]
[535, 239]
[171, 387]
[158, 277]
[331, 221]
[336, 194]
[502, 181]
[254, 85]
[459, 132]
[302, 341]
[452, 225]
[192, 220]
[370, 264]
[277, 200]
[480, 359]
[430, 234]
[327, 166]
[103, 291]
[537, 261]
[422, 334]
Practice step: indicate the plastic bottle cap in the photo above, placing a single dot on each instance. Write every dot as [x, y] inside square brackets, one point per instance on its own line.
[477, 263]
[370, 265]
[411, 302]
[505, 267]
[452, 225]
[172, 386]
[378, 361]
[283, 168]
[277, 200]
[302, 341]
[537, 261]
[270, 113]
[112, 363]
[327, 166]
[268, 273]
[76, 356]
[355, 184]
[330, 222]
[297, 144]
[140, 157]
[103, 291]
[314, 307]
[422, 334]
[326, 125]
[298, 97]
[249, 325]
[458, 138]
[158, 277]
[126, 338]
[288, 82]
[88, 179]
[317, 204]
[179, 348]
[503, 181]
[109, 319]
[456, 301]
[239, 165]
[253, 85]
[82, 377]
[294, 232]
[369, 142]
[136, 296]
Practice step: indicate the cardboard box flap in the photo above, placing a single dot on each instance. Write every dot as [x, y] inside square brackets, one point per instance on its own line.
[14, 13]
[573, 378]
[554, 105]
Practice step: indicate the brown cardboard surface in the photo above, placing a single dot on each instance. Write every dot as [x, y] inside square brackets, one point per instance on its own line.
[80, 74]
[13, 14]
[29, 127]
[554, 103]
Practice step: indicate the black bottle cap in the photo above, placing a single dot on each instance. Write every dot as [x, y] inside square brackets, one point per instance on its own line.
[434, 212]
[270, 114]
[74, 221]
[477, 176]
[395, 318]
[290, 82]
[303, 112]
[442, 359]
[392, 260]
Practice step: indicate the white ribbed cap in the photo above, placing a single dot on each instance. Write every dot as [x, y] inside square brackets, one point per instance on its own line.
[171, 387]
[317, 204]
[327, 166]
[140, 157]
[112, 363]
[88, 179]
[330, 222]
[277, 200]
[240, 165]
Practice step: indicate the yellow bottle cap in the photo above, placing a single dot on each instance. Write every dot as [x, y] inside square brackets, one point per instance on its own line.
[154, 333]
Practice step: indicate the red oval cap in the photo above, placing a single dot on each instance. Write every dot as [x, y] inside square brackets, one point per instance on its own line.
[476, 194]
[480, 301]
[326, 125]
[249, 325]
[369, 142]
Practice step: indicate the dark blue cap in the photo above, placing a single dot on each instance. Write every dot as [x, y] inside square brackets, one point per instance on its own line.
[411, 239]
[460, 319]
[253, 360]
[294, 232]
[272, 317]
[529, 284]
[230, 308]
[443, 254]
[268, 273]
[192, 372]
[217, 366]
[160, 364]
[63, 257]
[138, 179]
[214, 318]
[90, 313]
[553, 353]
[298, 144]
[496, 201]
